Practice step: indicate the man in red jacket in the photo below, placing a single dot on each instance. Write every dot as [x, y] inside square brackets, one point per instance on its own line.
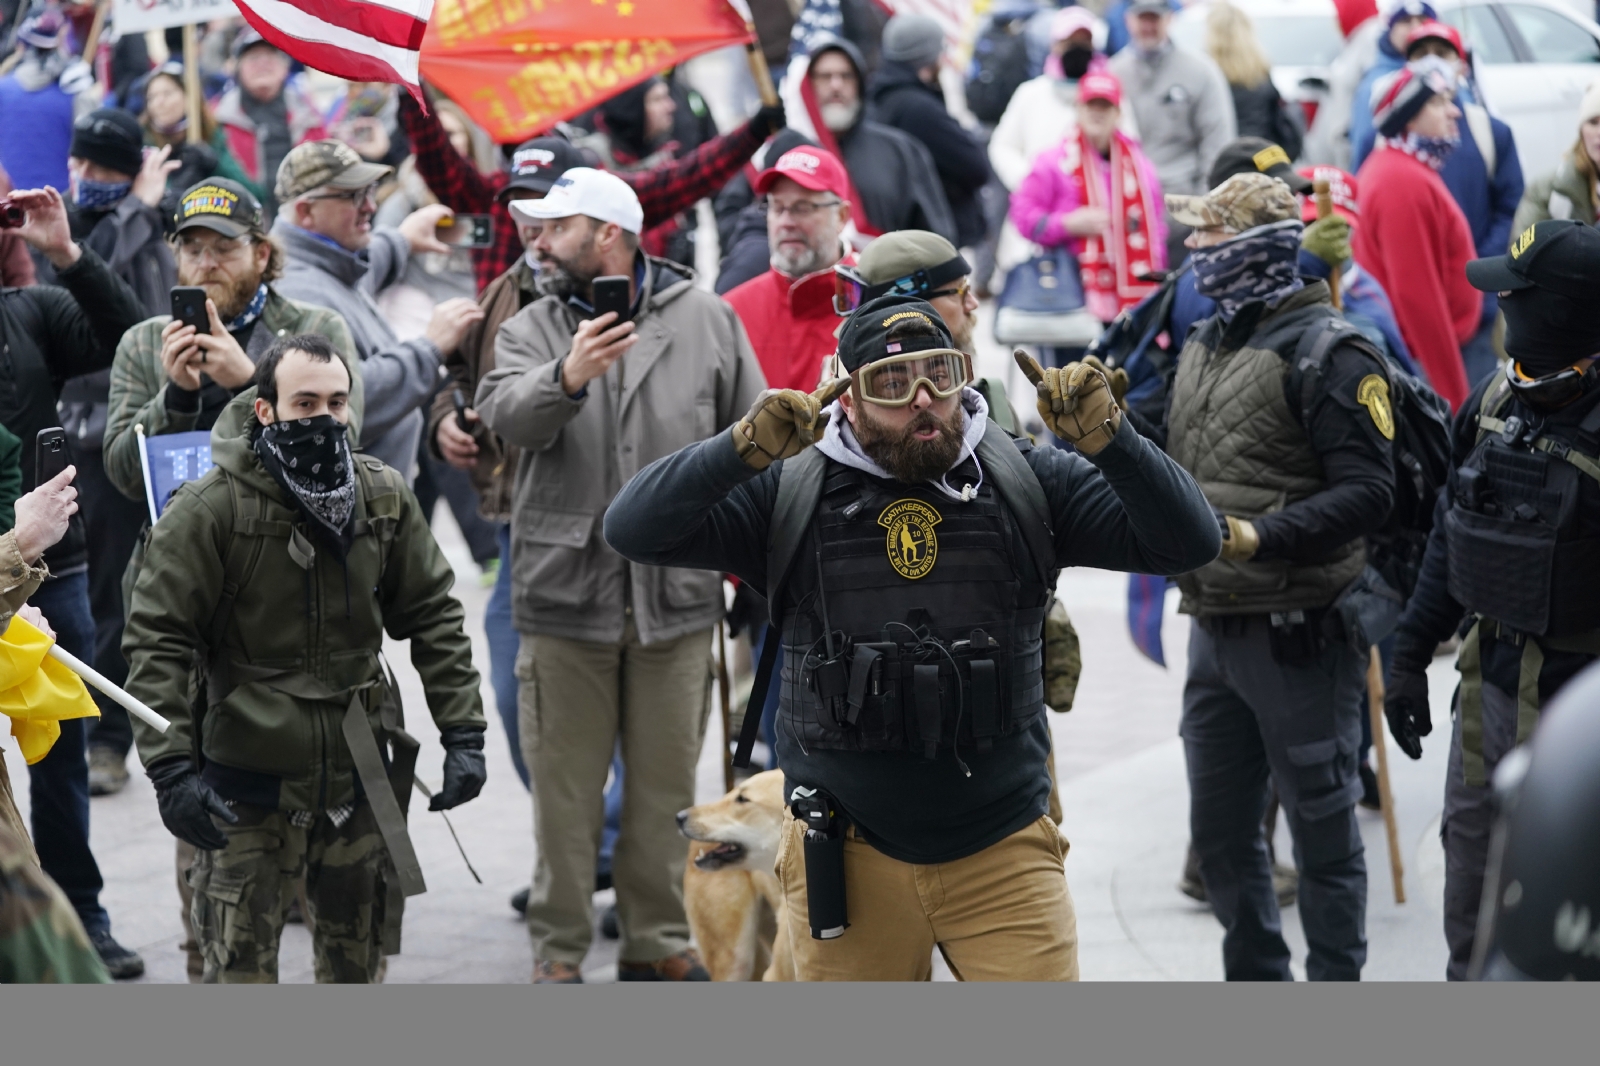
[788, 311]
[1413, 239]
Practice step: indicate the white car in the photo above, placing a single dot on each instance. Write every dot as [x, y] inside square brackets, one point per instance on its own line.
[1534, 59]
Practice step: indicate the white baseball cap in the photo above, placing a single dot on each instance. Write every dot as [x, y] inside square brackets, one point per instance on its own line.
[586, 191]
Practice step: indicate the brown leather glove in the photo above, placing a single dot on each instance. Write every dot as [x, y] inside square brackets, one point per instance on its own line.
[1117, 379]
[783, 423]
[1075, 401]
[1240, 540]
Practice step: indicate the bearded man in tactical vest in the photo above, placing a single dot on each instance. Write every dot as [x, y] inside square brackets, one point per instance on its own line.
[909, 558]
[1284, 419]
[271, 582]
[1510, 562]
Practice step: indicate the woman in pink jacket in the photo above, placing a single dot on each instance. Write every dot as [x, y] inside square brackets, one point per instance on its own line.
[1097, 194]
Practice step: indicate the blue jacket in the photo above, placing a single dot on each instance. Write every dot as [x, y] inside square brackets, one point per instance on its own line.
[36, 134]
[1367, 307]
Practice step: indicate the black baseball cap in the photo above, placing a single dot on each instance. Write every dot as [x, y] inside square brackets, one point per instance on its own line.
[864, 337]
[1256, 155]
[1561, 255]
[536, 164]
[221, 205]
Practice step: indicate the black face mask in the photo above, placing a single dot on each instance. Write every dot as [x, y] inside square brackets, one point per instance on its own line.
[1547, 332]
[1075, 61]
[310, 459]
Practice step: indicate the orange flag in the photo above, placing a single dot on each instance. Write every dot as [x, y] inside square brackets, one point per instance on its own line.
[520, 66]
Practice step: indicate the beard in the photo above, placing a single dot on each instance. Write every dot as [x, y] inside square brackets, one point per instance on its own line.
[840, 117]
[797, 264]
[899, 452]
[566, 278]
[231, 296]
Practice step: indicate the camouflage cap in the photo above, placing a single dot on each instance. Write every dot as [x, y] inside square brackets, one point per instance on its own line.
[1243, 202]
[315, 164]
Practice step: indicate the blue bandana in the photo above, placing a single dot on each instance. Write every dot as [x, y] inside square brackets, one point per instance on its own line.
[1259, 264]
[95, 195]
[251, 312]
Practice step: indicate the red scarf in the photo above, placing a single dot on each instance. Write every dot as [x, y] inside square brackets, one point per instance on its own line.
[1112, 264]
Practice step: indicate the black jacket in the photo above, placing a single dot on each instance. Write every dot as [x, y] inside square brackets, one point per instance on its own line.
[1261, 112]
[902, 100]
[49, 333]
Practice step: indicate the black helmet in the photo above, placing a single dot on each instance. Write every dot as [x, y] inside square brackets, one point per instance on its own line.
[1541, 916]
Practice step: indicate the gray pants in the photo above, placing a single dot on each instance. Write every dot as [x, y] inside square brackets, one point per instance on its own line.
[1247, 716]
[1464, 826]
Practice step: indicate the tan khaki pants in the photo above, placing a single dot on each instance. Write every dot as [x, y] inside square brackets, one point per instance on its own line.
[575, 699]
[1003, 914]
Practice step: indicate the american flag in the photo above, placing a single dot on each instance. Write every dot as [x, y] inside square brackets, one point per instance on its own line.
[361, 40]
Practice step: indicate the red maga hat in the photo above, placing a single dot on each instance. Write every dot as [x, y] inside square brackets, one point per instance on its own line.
[814, 168]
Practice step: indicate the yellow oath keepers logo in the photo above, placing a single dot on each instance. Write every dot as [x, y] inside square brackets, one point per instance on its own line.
[1373, 394]
[1522, 243]
[911, 542]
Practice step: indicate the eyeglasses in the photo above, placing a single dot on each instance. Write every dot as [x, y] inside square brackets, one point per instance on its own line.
[960, 290]
[1552, 391]
[357, 197]
[893, 382]
[800, 210]
[192, 249]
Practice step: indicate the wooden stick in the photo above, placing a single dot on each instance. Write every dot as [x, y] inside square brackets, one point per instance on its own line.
[191, 81]
[724, 678]
[758, 68]
[1324, 198]
[1385, 795]
[92, 42]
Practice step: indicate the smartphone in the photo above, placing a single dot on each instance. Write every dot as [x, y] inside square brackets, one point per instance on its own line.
[460, 403]
[611, 294]
[189, 307]
[466, 231]
[50, 455]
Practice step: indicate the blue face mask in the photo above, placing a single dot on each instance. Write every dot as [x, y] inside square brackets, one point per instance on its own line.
[92, 195]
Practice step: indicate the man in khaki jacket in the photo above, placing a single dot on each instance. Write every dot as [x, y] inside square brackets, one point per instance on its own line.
[609, 648]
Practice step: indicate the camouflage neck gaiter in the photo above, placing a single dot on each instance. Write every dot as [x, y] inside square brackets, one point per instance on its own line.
[1259, 264]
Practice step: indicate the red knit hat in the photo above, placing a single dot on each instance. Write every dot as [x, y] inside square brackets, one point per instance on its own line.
[1353, 13]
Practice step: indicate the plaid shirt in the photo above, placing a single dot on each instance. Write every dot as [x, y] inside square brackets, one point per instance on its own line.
[662, 192]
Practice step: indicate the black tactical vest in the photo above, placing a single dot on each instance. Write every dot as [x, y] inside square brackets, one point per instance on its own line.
[935, 611]
[1524, 545]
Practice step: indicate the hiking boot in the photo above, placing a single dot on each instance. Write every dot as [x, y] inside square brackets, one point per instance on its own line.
[548, 972]
[519, 901]
[1190, 884]
[608, 923]
[122, 964]
[1371, 798]
[683, 966]
[1286, 884]
[108, 771]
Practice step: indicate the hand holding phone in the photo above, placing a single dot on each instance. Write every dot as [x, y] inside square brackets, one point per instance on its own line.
[189, 307]
[466, 231]
[50, 455]
[613, 293]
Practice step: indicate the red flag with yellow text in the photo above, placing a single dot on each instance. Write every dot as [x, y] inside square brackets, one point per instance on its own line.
[520, 66]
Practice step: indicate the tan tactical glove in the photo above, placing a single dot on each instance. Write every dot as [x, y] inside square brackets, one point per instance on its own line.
[1239, 541]
[1118, 379]
[1075, 401]
[783, 423]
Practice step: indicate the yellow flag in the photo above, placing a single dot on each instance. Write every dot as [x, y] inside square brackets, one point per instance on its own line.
[36, 692]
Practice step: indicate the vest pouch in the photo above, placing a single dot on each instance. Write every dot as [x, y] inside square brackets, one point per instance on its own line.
[1369, 610]
[828, 681]
[1501, 568]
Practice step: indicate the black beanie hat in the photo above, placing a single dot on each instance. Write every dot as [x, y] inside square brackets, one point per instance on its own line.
[110, 137]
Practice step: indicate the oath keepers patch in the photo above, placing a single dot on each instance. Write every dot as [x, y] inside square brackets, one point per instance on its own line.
[911, 542]
[1373, 394]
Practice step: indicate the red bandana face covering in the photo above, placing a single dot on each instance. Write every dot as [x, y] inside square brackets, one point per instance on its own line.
[1112, 263]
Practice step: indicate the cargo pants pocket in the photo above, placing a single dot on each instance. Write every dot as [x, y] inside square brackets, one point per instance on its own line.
[1325, 778]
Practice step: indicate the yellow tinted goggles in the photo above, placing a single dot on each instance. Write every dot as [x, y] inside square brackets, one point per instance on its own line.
[893, 382]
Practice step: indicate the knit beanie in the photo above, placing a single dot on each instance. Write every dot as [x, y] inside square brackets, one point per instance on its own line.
[915, 40]
[110, 137]
[1408, 9]
[1590, 106]
[1353, 13]
[1400, 97]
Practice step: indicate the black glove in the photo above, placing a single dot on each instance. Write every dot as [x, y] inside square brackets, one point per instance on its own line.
[464, 768]
[769, 120]
[1405, 704]
[749, 611]
[187, 804]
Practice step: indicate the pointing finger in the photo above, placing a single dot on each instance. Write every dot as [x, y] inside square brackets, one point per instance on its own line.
[831, 391]
[1030, 366]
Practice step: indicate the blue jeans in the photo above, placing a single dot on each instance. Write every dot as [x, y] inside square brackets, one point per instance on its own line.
[58, 784]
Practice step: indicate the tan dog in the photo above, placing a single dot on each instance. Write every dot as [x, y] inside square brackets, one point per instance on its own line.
[729, 889]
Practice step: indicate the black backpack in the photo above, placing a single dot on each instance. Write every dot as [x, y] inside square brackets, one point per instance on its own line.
[999, 65]
[1421, 452]
[1132, 342]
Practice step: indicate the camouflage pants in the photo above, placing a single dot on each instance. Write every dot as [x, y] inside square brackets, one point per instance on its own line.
[242, 894]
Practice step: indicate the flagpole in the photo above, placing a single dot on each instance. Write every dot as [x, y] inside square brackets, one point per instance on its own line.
[99, 681]
[191, 82]
[758, 68]
[144, 467]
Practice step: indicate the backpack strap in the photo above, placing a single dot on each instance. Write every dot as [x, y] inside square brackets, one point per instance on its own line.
[993, 391]
[799, 489]
[1311, 355]
[245, 544]
[1496, 400]
[1018, 485]
[1494, 403]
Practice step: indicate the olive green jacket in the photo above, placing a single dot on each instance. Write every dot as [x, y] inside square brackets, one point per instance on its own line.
[139, 385]
[320, 626]
[1562, 193]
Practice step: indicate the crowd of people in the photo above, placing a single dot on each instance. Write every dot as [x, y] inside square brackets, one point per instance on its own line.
[1286, 317]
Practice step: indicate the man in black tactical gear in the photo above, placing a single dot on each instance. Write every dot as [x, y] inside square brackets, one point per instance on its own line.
[912, 555]
[1284, 419]
[1510, 562]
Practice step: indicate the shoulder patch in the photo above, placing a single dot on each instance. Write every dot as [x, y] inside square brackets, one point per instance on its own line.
[1373, 393]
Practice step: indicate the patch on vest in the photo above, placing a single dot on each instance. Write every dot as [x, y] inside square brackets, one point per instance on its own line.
[1373, 394]
[911, 542]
